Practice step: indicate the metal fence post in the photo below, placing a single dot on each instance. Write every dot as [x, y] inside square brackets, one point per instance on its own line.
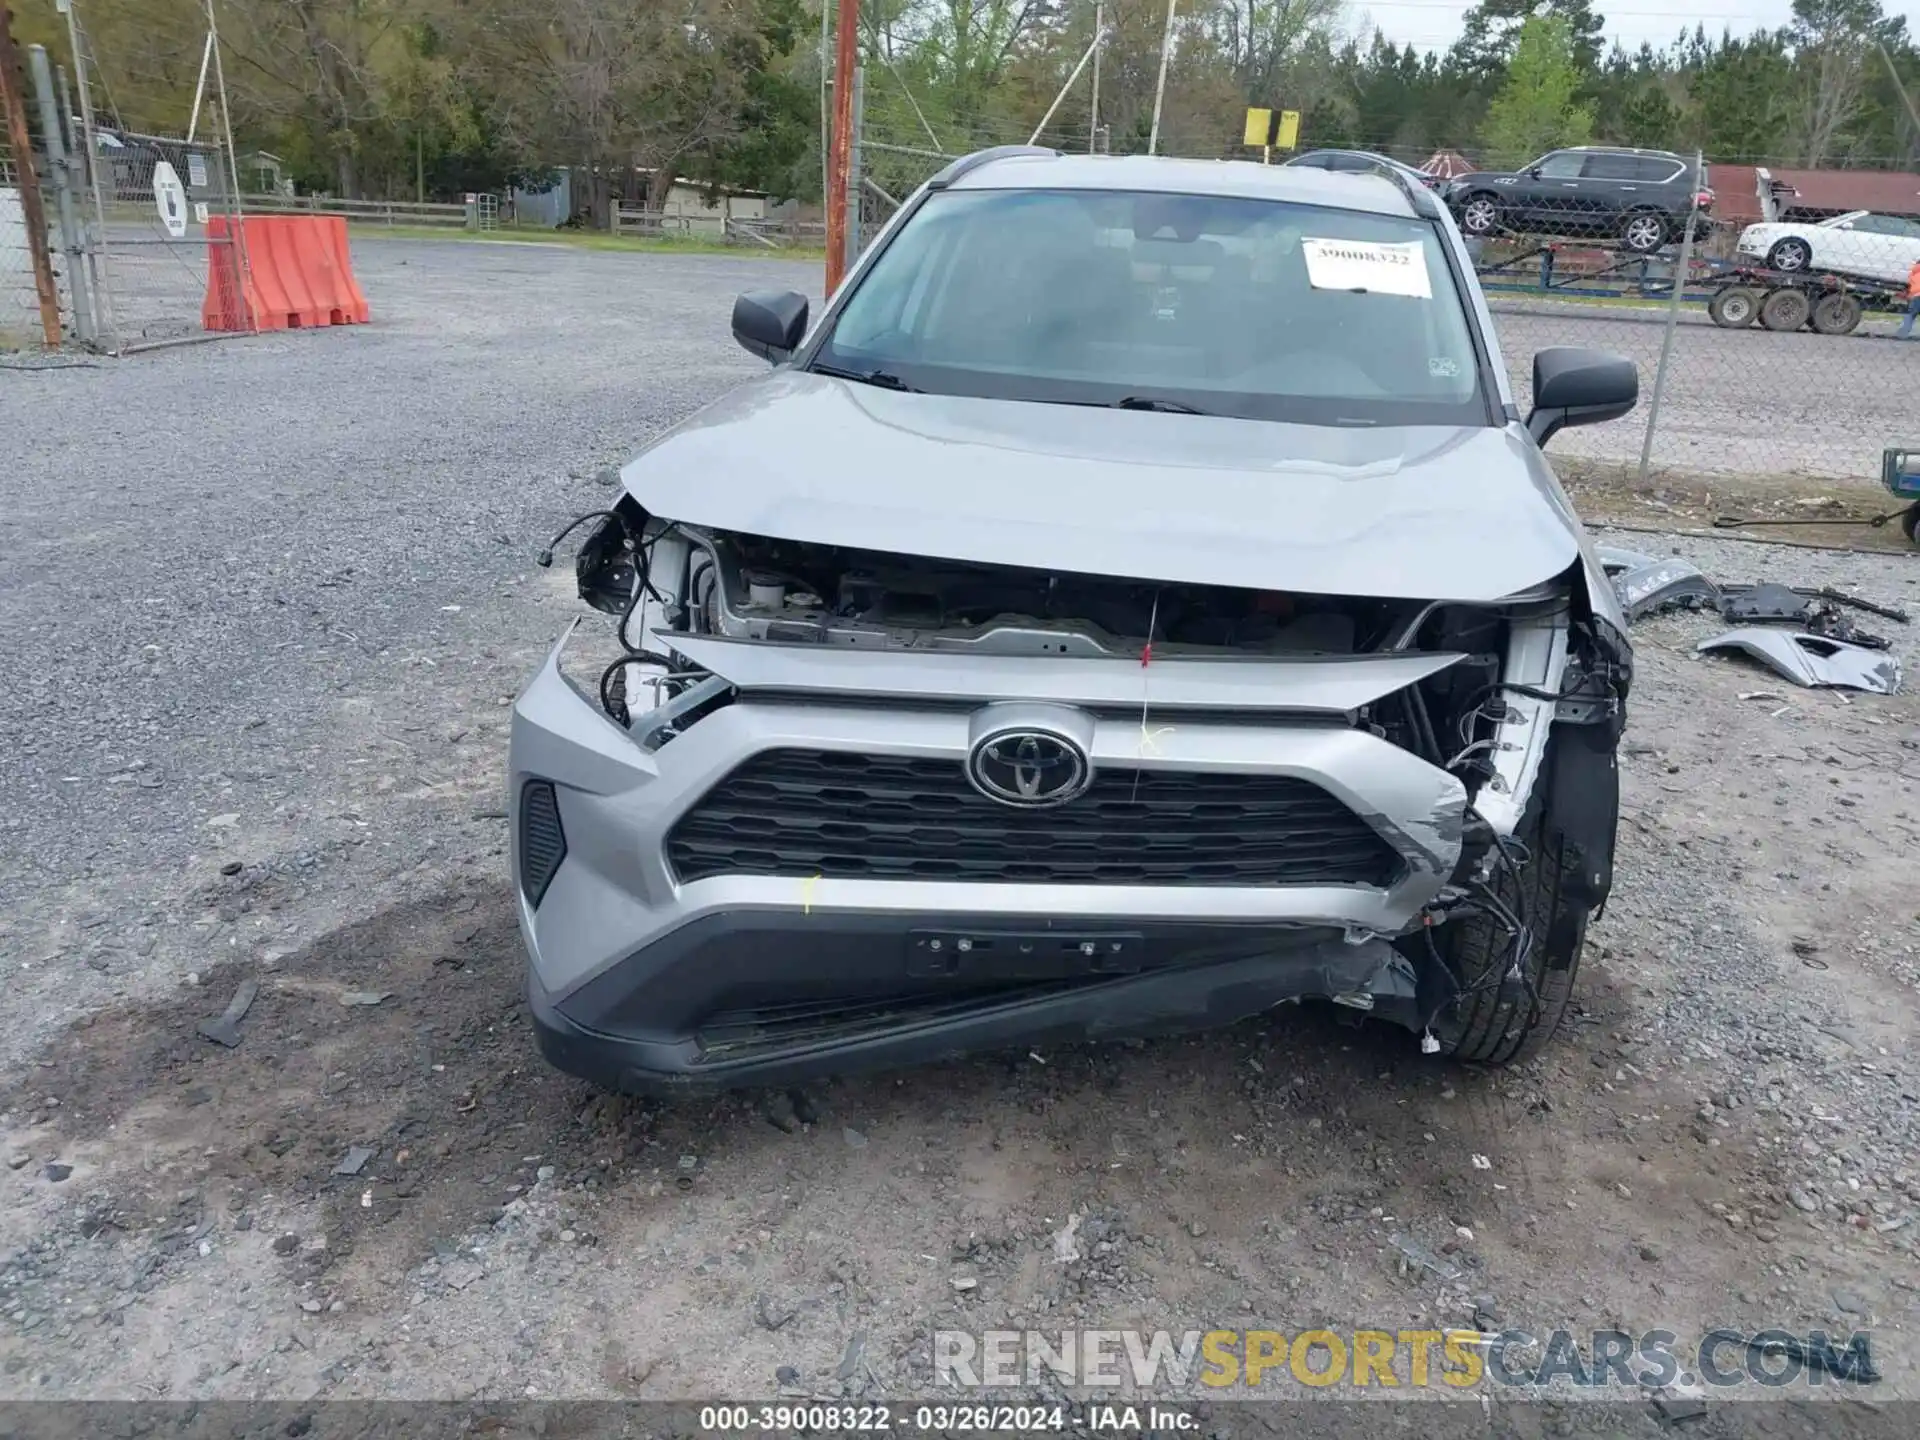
[81, 169]
[1682, 272]
[854, 170]
[60, 169]
[81, 44]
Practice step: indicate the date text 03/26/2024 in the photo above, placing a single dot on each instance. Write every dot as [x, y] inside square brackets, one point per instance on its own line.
[942, 1419]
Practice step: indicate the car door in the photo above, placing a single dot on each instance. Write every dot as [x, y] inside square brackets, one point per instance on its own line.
[1905, 237]
[1549, 199]
[1863, 245]
[1610, 185]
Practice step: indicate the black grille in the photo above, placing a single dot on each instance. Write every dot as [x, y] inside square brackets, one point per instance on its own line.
[543, 845]
[886, 817]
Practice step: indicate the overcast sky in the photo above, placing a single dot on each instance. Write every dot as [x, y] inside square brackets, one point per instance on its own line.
[1435, 24]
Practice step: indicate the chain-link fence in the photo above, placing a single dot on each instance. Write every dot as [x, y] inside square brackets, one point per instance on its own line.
[1762, 329]
[164, 208]
[23, 276]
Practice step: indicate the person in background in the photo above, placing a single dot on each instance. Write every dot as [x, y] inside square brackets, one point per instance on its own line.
[1913, 302]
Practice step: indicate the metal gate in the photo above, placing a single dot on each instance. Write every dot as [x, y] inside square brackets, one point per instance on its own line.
[164, 211]
[166, 231]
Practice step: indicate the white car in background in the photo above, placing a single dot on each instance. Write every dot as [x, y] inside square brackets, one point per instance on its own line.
[1860, 243]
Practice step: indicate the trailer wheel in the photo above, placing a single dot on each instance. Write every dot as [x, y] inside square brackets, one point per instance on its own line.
[1785, 309]
[1836, 314]
[1735, 307]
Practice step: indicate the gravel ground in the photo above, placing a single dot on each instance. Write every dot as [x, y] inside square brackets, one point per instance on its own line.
[1735, 400]
[265, 601]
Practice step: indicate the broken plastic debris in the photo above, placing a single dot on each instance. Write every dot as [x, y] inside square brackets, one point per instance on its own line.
[1481, 1162]
[1812, 660]
[225, 1030]
[365, 997]
[354, 1160]
[1065, 1252]
[1424, 1258]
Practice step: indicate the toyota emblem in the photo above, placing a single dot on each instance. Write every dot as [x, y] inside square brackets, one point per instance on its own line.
[1028, 767]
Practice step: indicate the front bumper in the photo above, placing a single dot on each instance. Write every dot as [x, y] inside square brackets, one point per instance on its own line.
[640, 980]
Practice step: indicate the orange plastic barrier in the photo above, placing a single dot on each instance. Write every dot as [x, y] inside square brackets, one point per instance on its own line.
[296, 272]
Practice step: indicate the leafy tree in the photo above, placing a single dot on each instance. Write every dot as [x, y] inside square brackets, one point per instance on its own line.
[1536, 109]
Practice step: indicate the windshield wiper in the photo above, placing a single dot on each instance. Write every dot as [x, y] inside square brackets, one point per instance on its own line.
[885, 379]
[1154, 402]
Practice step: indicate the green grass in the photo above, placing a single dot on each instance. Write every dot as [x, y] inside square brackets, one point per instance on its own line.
[587, 240]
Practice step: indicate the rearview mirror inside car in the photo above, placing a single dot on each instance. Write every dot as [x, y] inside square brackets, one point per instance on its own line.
[770, 323]
[1579, 387]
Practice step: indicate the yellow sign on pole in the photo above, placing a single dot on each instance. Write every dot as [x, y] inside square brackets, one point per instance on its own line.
[1272, 129]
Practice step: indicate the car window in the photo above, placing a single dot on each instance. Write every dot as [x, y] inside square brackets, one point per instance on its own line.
[1901, 225]
[1561, 165]
[1654, 170]
[1313, 160]
[1352, 162]
[1611, 167]
[1871, 225]
[1232, 306]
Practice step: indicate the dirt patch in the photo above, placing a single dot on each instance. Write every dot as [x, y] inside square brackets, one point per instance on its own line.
[1803, 509]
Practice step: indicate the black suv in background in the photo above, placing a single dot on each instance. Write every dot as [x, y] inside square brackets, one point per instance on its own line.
[1641, 198]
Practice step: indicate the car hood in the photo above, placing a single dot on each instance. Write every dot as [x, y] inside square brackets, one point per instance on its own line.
[1440, 513]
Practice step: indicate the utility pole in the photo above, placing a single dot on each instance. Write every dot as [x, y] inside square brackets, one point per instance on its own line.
[1160, 87]
[1093, 106]
[840, 161]
[13, 102]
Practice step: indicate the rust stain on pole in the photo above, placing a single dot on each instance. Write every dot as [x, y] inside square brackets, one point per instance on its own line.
[840, 158]
[13, 101]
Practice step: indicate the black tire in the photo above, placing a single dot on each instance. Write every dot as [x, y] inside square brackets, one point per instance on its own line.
[1791, 254]
[1644, 231]
[1480, 213]
[1836, 314]
[1735, 308]
[1785, 309]
[1491, 1023]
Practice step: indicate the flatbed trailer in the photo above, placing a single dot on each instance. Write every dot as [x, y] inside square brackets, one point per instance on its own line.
[1818, 300]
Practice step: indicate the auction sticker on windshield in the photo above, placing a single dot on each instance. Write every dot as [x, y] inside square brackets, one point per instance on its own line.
[1383, 269]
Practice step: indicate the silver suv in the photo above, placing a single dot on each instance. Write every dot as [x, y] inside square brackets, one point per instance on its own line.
[1137, 602]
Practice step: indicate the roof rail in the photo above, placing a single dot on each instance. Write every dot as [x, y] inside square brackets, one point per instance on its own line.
[978, 158]
[1419, 198]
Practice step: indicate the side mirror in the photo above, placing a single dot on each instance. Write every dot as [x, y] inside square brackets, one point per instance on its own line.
[770, 323]
[1579, 387]
[1533, 171]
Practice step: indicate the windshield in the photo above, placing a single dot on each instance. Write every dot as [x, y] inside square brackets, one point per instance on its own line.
[1223, 306]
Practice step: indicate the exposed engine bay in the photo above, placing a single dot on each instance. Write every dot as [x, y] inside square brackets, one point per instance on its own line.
[663, 577]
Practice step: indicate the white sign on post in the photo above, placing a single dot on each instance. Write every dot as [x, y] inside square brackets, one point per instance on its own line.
[199, 212]
[170, 199]
[196, 169]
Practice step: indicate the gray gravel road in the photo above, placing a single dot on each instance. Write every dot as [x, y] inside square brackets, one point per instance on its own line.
[244, 582]
[264, 601]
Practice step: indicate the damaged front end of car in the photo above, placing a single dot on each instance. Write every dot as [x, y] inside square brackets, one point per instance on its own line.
[835, 808]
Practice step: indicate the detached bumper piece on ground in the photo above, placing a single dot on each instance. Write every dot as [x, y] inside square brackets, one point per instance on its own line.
[1827, 650]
